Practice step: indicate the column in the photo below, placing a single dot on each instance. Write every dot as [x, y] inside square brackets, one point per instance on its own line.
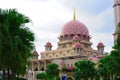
[45, 65]
[32, 66]
[38, 66]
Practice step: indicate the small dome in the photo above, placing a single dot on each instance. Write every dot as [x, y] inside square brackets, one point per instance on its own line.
[100, 44]
[77, 45]
[76, 37]
[35, 53]
[74, 27]
[48, 44]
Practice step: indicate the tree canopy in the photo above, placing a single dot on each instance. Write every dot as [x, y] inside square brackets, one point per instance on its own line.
[84, 69]
[16, 41]
[52, 71]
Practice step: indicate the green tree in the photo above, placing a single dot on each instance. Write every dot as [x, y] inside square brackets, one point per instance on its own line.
[84, 69]
[116, 58]
[52, 71]
[110, 64]
[41, 76]
[77, 74]
[117, 42]
[16, 42]
[102, 69]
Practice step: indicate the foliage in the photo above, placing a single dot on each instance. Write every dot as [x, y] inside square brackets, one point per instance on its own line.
[110, 64]
[41, 76]
[16, 41]
[84, 69]
[102, 70]
[52, 71]
[69, 78]
[117, 42]
[17, 78]
[57, 78]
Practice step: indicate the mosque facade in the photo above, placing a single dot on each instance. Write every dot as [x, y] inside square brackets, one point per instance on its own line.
[74, 44]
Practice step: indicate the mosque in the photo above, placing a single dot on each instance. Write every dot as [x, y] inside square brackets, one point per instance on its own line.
[74, 44]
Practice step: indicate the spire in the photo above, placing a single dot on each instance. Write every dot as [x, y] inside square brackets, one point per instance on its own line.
[74, 15]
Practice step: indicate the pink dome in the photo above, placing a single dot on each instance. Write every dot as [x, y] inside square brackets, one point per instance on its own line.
[74, 27]
[77, 45]
[48, 44]
[76, 37]
[100, 44]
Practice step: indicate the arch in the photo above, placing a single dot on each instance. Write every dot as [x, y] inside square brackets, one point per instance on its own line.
[42, 69]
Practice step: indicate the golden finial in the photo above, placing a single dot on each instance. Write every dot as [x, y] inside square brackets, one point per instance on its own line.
[74, 15]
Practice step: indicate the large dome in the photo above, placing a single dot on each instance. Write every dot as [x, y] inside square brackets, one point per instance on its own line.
[74, 27]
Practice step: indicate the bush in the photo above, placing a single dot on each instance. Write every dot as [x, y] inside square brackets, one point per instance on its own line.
[17, 78]
[41, 76]
[57, 78]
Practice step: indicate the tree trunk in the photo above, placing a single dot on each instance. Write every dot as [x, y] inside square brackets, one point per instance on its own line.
[4, 74]
[89, 78]
[94, 78]
[82, 79]
[113, 76]
[13, 76]
[110, 77]
[101, 78]
[8, 72]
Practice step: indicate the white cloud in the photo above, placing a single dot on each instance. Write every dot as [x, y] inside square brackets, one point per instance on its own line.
[49, 16]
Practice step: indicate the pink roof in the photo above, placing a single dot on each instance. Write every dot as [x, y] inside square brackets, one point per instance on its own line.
[76, 37]
[70, 68]
[77, 45]
[94, 59]
[100, 44]
[74, 27]
[48, 44]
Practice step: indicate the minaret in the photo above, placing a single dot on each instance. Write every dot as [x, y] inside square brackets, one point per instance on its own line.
[100, 47]
[48, 46]
[116, 7]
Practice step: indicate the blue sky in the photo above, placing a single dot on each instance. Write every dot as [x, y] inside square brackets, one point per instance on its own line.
[49, 16]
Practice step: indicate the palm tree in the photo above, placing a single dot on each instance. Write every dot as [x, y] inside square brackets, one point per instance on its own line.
[116, 58]
[52, 71]
[116, 52]
[110, 65]
[77, 74]
[16, 41]
[85, 69]
[102, 70]
[117, 42]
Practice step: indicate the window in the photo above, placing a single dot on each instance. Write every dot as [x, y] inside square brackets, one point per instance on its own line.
[49, 56]
[94, 55]
[67, 65]
[66, 37]
[71, 37]
[64, 46]
[86, 46]
[71, 65]
[84, 37]
[77, 50]
[56, 55]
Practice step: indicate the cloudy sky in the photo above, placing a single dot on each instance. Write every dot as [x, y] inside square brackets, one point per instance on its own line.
[49, 16]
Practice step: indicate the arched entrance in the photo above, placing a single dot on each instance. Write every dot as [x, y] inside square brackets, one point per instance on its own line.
[69, 78]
